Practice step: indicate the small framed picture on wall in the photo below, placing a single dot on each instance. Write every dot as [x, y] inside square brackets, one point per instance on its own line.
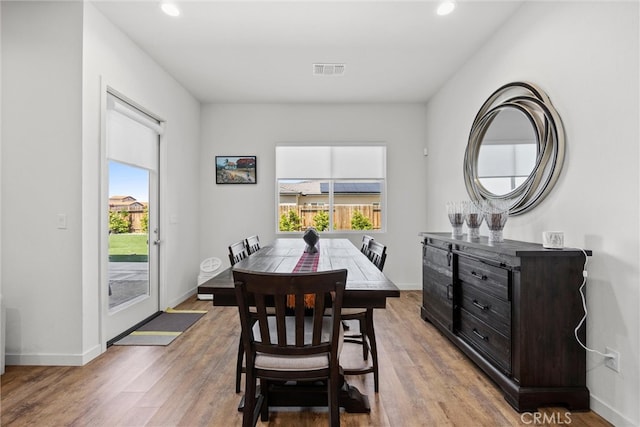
[236, 170]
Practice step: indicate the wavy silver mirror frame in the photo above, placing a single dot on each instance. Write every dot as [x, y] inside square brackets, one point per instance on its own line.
[550, 141]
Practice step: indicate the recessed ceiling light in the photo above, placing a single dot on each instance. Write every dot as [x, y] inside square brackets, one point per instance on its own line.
[170, 9]
[446, 7]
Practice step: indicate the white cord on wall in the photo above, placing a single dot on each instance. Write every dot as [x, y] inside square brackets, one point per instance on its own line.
[584, 306]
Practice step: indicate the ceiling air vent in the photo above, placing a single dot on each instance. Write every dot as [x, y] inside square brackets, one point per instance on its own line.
[328, 69]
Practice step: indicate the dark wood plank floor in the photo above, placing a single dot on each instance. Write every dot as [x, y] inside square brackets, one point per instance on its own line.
[424, 380]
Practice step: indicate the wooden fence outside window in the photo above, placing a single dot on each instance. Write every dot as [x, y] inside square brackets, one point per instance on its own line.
[342, 214]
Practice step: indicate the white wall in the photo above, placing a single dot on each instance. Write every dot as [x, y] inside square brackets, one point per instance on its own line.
[55, 55]
[232, 129]
[2, 312]
[585, 56]
[41, 177]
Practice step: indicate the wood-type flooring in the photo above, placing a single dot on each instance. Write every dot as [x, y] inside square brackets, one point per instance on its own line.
[424, 381]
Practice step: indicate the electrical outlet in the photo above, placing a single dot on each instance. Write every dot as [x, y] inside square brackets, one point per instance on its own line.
[613, 361]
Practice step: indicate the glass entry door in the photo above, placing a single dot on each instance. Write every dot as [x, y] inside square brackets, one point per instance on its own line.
[133, 240]
[128, 234]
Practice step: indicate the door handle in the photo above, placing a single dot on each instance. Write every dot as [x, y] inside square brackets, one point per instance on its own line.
[157, 242]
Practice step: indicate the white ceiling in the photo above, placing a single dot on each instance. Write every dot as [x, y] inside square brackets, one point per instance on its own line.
[263, 51]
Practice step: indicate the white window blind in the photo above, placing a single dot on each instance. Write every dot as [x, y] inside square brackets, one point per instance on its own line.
[506, 160]
[132, 136]
[331, 162]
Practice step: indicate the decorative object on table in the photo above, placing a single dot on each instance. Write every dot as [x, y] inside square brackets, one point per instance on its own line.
[236, 170]
[553, 239]
[311, 238]
[455, 210]
[473, 216]
[496, 216]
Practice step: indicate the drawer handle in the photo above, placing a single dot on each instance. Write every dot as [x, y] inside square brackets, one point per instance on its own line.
[479, 276]
[479, 335]
[481, 306]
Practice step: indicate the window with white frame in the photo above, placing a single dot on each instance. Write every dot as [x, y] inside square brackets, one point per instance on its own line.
[330, 187]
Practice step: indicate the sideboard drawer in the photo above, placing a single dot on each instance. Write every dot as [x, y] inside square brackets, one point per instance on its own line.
[486, 340]
[492, 280]
[493, 311]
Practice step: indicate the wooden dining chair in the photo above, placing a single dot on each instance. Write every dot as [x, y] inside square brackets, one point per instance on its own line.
[283, 347]
[367, 335]
[377, 254]
[253, 244]
[364, 248]
[238, 251]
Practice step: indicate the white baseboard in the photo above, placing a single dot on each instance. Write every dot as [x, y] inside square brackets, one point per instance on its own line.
[409, 286]
[53, 359]
[185, 296]
[91, 354]
[610, 414]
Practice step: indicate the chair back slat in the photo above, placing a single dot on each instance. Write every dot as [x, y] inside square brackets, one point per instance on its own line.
[281, 331]
[299, 313]
[261, 313]
[318, 313]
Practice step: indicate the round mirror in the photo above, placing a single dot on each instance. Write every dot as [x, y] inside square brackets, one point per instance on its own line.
[515, 150]
[507, 154]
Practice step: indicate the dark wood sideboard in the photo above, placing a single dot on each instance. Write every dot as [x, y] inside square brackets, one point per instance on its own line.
[512, 308]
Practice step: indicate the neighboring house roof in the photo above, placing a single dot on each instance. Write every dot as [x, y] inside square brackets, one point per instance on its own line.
[121, 199]
[304, 187]
[316, 187]
[126, 202]
[352, 187]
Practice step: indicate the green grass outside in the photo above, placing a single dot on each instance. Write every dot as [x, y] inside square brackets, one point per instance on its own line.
[128, 244]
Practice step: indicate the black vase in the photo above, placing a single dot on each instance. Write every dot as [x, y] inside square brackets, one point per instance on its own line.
[311, 238]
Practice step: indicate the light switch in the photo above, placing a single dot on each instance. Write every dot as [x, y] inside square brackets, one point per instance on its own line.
[62, 221]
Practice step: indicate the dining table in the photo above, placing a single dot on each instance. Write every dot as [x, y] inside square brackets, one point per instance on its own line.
[366, 287]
